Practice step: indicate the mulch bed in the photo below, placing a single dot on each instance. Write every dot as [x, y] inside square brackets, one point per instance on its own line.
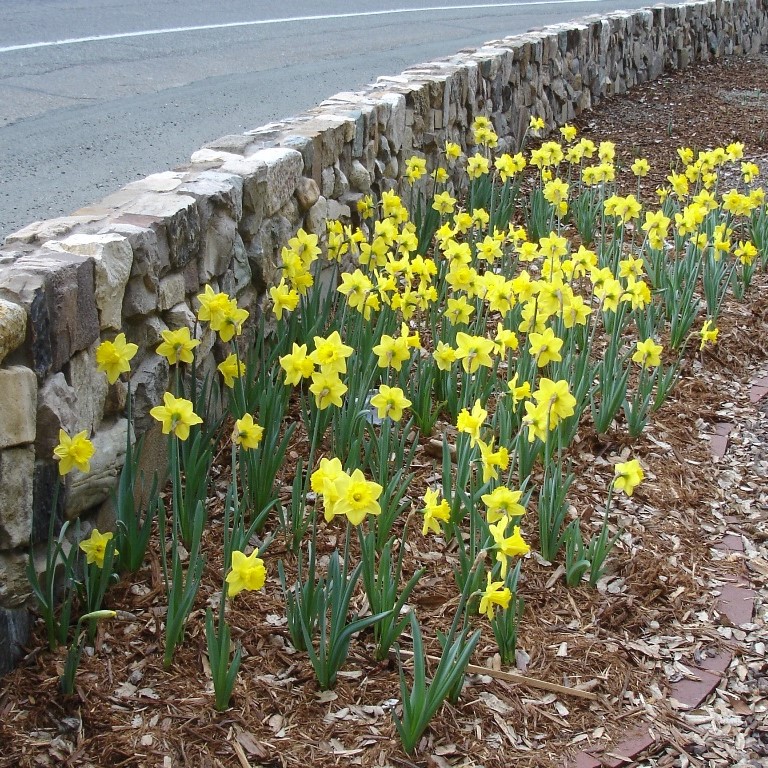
[651, 618]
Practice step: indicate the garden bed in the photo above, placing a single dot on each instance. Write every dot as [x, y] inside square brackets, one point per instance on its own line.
[648, 622]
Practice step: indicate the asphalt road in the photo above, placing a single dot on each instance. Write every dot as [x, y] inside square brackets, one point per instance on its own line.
[80, 117]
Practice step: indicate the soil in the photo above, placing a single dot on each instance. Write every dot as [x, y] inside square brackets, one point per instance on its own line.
[650, 617]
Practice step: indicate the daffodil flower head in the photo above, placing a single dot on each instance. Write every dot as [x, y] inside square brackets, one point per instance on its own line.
[555, 397]
[628, 475]
[443, 202]
[538, 419]
[640, 167]
[95, 547]
[519, 392]
[477, 166]
[492, 461]
[502, 502]
[176, 415]
[474, 351]
[330, 354]
[452, 150]
[284, 298]
[495, 594]
[113, 357]
[507, 547]
[358, 497]
[74, 452]
[323, 481]
[231, 368]
[415, 168]
[306, 246]
[470, 422]
[434, 510]
[327, 388]
[545, 347]
[708, 334]
[365, 207]
[392, 351]
[247, 573]
[177, 346]
[648, 353]
[297, 364]
[213, 307]
[390, 402]
[247, 433]
[232, 322]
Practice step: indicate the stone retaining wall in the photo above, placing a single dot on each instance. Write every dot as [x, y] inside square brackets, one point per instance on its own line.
[135, 260]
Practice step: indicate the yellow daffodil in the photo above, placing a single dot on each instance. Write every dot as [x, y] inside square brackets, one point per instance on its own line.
[358, 497]
[555, 397]
[415, 168]
[74, 452]
[638, 294]
[536, 124]
[507, 547]
[640, 167]
[495, 594]
[556, 193]
[232, 322]
[231, 368]
[627, 476]
[505, 339]
[443, 202]
[95, 547]
[502, 502]
[306, 246]
[538, 420]
[247, 432]
[297, 364]
[471, 421]
[648, 353]
[390, 402]
[474, 351]
[518, 391]
[568, 132]
[213, 307]
[323, 481]
[331, 354]
[327, 389]
[248, 573]
[708, 334]
[284, 298]
[452, 150]
[745, 252]
[444, 355]
[477, 166]
[176, 415]
[365, 207]
[492, 461]
[113, 357]
[440, 175]
[434, 512]
[177, 346]
[392, 351]
[545, 347]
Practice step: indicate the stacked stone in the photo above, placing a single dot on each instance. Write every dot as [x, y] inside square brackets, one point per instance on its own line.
[135, 261]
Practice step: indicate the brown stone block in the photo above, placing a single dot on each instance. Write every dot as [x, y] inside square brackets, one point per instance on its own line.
[691, 693]
[57, 290]
[736, 602]
[635, 742]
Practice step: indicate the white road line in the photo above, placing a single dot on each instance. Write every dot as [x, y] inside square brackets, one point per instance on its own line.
[286, 20]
